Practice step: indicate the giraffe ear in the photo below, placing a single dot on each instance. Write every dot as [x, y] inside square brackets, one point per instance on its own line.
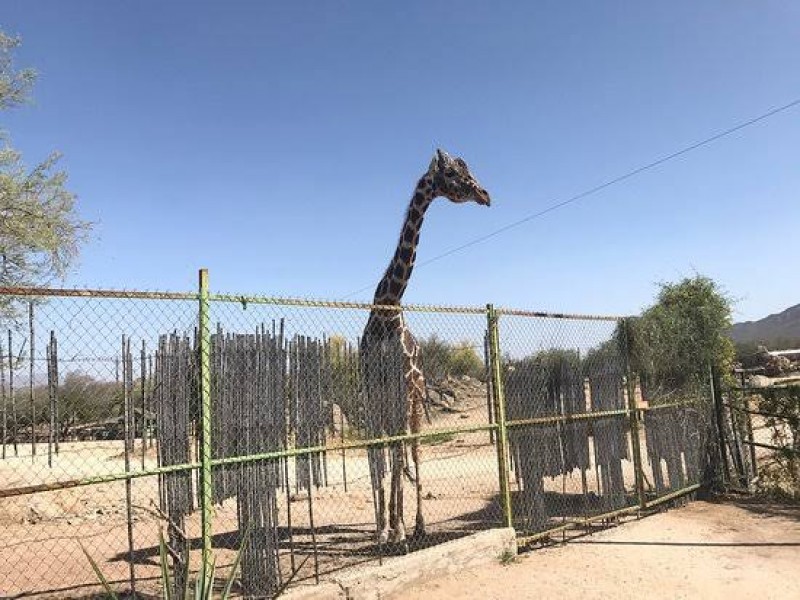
[434, 163]
[442, 158]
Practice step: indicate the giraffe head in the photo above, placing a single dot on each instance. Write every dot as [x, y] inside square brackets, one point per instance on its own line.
[453, 180]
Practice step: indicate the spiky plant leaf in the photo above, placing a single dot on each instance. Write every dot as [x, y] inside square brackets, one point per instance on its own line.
[166, 585]
[109, 592]
[232, 576]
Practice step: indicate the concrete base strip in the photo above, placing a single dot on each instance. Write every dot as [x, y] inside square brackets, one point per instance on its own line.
[396, 573]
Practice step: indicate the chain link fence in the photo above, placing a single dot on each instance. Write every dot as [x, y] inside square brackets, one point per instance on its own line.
[275, 426]
[759, 438]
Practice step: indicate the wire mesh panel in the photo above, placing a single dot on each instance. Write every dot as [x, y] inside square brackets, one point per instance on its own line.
[336, 398]
[677, 429]
[86, 377]
[304, 427]
[565, 384]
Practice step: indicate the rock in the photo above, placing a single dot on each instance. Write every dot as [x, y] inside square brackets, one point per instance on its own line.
[759, 381]
[38, 510]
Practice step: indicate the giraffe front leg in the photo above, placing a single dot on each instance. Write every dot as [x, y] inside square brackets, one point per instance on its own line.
[416, 422]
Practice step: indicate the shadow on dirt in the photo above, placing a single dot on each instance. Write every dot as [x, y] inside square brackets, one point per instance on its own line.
[764, 507]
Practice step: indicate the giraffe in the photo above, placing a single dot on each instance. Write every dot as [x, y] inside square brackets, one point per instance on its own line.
[449, 178]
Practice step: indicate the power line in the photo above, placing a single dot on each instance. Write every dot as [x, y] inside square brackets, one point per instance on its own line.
[602, 186]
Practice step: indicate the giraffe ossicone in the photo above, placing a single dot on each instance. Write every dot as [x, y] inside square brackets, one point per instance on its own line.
[386, 328]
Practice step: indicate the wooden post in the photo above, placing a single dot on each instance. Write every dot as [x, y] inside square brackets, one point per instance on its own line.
[30, 380]
[56, 417]
[127, 398]
[720, 419]
[3, 393]
[750, 438]
[489, 392]
[633, 414]
[143, 383]
[50, 433]
[12, 398]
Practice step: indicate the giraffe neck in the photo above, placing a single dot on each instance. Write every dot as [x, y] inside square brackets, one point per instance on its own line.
[392, 286]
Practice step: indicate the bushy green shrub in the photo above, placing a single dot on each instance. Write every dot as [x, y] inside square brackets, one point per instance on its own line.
[443, 359]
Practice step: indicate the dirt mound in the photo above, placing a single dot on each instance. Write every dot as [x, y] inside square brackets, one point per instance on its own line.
[457, 394]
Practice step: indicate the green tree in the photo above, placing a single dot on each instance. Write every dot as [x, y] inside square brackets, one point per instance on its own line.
[15, 86]
[40, 234]
[675, 341]
[344, 382]
[464, 360]
[442, 359]
[83, 399]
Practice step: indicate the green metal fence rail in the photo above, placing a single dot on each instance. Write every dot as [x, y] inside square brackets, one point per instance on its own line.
[562, 406]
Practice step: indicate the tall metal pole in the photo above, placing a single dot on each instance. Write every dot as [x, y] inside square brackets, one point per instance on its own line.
[500, 415]
[204, 342]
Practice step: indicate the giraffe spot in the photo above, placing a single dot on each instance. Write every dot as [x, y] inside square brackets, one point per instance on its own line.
[414, 214]
[409, 234]
[399, 271]
[394, 287]
[406, 254]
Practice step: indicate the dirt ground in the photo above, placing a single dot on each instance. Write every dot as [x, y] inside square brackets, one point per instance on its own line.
[40, 533]
[734, 549]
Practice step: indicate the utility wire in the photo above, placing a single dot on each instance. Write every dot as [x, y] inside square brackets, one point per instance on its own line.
[602, 186]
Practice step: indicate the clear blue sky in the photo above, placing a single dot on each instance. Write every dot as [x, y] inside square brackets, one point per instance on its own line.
[277, 144]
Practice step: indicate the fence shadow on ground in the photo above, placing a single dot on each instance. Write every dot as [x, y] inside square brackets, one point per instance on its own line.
[764, 507]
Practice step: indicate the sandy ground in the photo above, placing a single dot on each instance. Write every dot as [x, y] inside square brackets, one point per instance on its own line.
[736, 549]
[40, 534]
[40, 555]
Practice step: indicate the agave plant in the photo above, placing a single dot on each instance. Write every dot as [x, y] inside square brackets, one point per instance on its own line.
[203, 587]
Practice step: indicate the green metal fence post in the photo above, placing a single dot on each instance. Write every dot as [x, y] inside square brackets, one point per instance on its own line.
[206, 507]
[500, 415]
[633, 412]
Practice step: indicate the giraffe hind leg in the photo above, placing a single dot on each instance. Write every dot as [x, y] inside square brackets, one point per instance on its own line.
[419, 525]
[396, 509]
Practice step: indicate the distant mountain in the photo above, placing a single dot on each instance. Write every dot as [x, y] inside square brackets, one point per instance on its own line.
[783, 326]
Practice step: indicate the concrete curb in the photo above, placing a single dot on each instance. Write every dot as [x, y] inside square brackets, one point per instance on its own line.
[379, 581]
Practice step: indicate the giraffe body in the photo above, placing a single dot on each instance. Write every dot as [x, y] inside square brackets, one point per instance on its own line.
[387, 338]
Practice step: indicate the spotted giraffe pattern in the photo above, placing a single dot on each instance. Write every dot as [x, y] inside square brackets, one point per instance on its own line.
[449, 178]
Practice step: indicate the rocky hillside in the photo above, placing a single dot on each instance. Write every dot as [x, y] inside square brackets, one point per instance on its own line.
[781, 326]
